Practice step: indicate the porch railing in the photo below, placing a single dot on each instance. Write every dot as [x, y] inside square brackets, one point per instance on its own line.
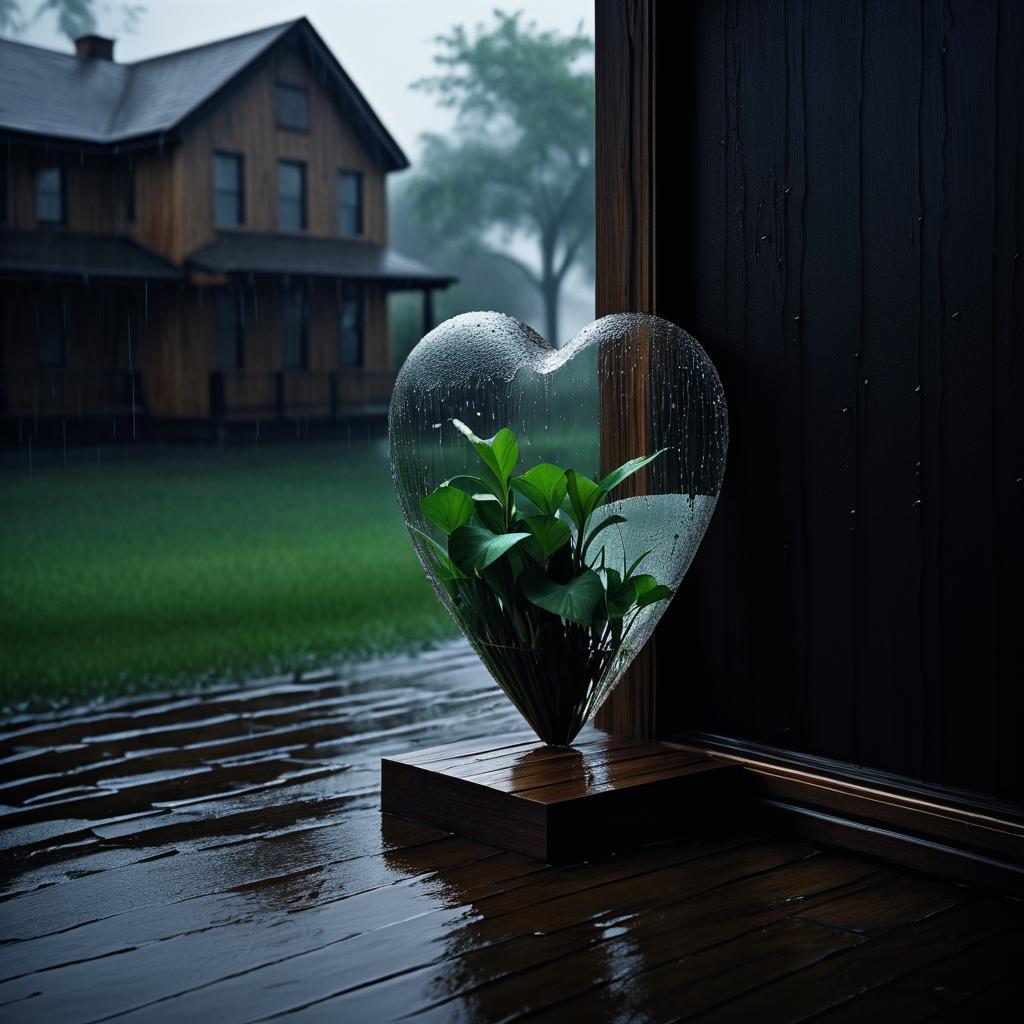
[295, 394]
[71, 393]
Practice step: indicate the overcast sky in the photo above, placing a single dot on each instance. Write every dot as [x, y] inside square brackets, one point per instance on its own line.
[383, 44]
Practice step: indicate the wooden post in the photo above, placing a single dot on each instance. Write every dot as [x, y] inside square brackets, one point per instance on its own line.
[428, 310]
[625, 273]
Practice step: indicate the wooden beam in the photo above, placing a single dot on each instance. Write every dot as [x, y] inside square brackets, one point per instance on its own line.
[625, 279]
[428, 311]
[935, 829]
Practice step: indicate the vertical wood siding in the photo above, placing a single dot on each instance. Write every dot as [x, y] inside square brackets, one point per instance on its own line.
[840, 193]
[245, 122]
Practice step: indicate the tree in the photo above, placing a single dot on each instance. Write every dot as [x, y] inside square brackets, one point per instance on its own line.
[484, 282]
[521, 160]
[74, 17]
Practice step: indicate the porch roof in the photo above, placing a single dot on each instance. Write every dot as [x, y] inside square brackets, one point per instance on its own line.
[240, 252]
[66, 254]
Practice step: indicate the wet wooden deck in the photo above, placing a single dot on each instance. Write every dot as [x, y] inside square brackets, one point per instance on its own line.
[222, 857]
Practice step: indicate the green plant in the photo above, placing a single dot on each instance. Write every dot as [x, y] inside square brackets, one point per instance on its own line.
[525, 578]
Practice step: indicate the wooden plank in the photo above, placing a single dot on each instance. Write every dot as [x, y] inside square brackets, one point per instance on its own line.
[812, 989]
[951, 984]
[568, 806]
[1008, 399]
[966, 568]
[888, 716]
[572, 972]
[232, 905]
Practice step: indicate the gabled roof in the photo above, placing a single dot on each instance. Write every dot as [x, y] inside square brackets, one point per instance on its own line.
[63, 254]
[239, 252]
[57, 95]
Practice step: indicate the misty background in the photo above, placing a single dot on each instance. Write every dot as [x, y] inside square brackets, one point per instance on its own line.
[385, 46]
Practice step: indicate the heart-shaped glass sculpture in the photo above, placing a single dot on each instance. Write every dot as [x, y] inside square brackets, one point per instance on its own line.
[556, 497]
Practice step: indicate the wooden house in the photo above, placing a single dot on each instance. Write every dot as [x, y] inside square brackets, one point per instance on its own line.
[199, 237]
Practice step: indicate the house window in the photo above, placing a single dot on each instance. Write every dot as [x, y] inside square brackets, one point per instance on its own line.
[51, 336]
[351, 325]
[50, 195]
[292, 107]
[291, 195]
[350, 202]
[295, 330]
[228, 199]
[230, 331]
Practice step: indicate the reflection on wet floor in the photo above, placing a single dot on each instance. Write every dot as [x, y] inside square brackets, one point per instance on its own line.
[222, 856]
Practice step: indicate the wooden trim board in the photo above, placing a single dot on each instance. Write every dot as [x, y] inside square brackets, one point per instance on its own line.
[558, 805]
[934, 829]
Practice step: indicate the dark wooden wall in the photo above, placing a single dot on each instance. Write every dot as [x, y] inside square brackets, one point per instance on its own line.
[840, 213]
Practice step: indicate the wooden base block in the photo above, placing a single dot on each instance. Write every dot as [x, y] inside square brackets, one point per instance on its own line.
[557, 805]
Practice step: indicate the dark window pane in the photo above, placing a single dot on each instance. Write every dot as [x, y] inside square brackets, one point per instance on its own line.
[295, 330]
[50, 196]
[351, 325]
[50, 340]
[350, 203]
[3, 187]
[291, 196]
[292, 107]
[225, 210]
[230, 338]
[225, 172]
[228, 210]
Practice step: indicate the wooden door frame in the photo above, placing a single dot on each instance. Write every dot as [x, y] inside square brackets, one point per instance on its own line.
[927, 827]
[625, 215]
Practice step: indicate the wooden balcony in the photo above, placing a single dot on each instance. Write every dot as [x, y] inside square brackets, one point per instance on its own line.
[74, 394]
[298, 394]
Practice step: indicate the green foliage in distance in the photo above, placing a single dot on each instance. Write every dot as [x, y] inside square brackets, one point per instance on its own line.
[520, 161]
[73, 18]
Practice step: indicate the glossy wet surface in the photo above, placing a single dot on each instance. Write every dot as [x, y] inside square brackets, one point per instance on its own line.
[222, 857]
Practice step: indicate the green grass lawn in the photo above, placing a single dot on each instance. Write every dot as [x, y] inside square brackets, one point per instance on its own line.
[156, 567]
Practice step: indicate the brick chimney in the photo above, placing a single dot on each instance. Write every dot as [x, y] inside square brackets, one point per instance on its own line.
[94, 48]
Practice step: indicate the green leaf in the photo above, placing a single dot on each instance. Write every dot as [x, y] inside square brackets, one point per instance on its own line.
[636, 562]
[499, 453]
[627, 469]
[447, 569]
[506, 451]
[604, 524]
[447, 508]
[474, 485]
[621, 594]
[548, 533]
[584, 496]
[544, 485]
[649, 590]
[490, 512]
[474, 548]
[575, 601]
